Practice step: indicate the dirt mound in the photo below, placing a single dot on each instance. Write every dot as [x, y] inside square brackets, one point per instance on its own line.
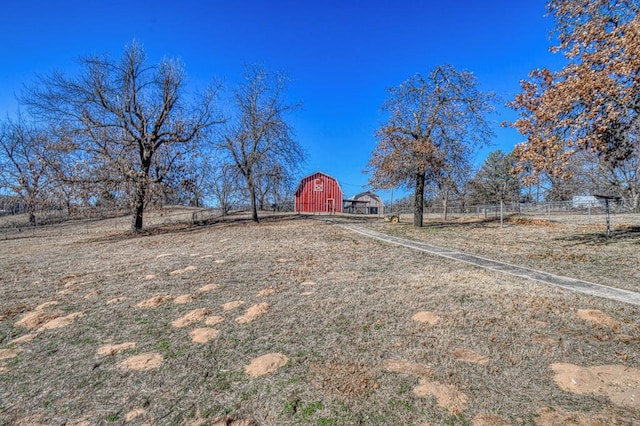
[253, 312]
[46, 305]
[265, 364]
[183, 299]
[208, 287]
[115, 349]
[447, 396]
[203, 335]
[407, 367]
[268, 291]
[183, 271]
[308, 283]
[599, 317]
[466, 355]
[619, 383]
[155, 301]
[134, 414]
[35, 319]
[213, 320]
[9, 353]
[232, 305]
[142, 362]
[61, 321]
[426, 317]
[191, 317]
[25, 338]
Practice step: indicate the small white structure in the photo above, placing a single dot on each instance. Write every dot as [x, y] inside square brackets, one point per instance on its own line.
[585, 201]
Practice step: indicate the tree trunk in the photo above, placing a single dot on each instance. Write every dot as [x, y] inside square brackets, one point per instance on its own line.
[138, 209]
[254, 203]
[418, 201]
[445, 205]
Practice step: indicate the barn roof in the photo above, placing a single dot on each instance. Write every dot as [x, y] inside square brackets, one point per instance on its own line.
[312, 175]
[370, 194]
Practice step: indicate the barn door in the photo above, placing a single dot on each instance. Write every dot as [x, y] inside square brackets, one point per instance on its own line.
[331, 205]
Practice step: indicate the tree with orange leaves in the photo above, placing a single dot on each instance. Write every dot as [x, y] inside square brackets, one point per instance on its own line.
[592, 105]
[435, 123]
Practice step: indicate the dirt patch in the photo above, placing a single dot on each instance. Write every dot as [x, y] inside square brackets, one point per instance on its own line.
[155, 301]
[191, 317]
[308, 283]
[213, 320]
[92, 294]
[619, 383]
[543, 339]
[203, 335]
[183, 271]
[308, 293]
[115, 349]
[46, 305]
[265, 364]
[208, 287]
[61, 321]
[268, 291]
[407, 367]
[134, 414]
[529, 221]
[426, 317]
[232, 305]
[160, 256]
[447, 396]
[219, 261]
[253, 312]
[553, 417]
[348, 380]
[599, 317]
[25, 338]
[148, 277]
[35, 319]
[142, 362]
[183, 299]
[466, 355]
[9, 353]
[284, 260]
[493, 420]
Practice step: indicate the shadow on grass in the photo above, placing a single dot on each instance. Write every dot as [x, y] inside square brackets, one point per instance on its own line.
[187, 228]
[625, 234]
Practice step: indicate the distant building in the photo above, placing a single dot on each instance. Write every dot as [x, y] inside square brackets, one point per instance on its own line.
[318, 193]
[585, 201]
[364, 203]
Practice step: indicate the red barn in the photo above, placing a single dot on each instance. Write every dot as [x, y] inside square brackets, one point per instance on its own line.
[318, 193]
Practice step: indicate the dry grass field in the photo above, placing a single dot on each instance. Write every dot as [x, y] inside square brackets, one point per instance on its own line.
[296, 321]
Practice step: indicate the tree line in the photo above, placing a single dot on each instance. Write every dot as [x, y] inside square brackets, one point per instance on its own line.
[581, 125]
[126, 133]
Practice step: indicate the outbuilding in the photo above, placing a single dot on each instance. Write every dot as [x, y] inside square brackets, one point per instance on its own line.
[364, 203]
[318, 193]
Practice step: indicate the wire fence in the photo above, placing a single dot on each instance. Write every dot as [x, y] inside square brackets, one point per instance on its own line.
[62, 221]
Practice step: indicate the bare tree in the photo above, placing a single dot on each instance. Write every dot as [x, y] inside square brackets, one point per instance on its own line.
[258, 138]
[24, 166]
[131, 119]
[435, 123]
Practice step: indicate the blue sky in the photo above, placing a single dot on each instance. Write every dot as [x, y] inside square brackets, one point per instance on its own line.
[340, 55]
